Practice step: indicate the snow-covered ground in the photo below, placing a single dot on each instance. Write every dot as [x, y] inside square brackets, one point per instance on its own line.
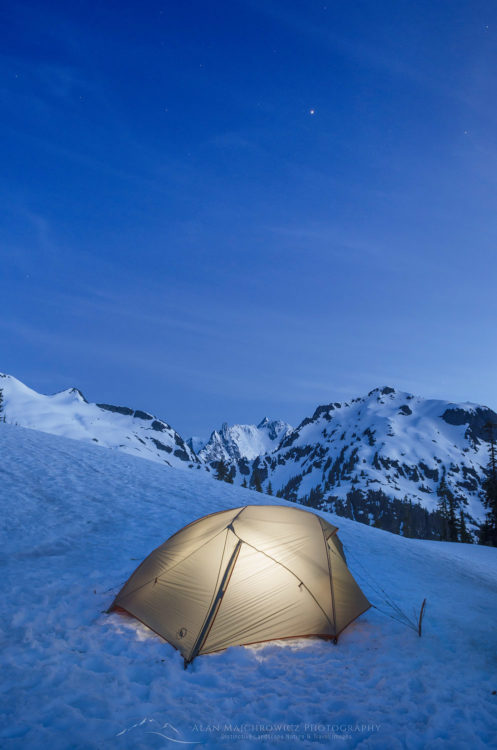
[77, 520]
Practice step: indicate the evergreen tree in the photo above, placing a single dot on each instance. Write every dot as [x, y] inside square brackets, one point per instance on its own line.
[464, 535]
[269, 490]
[446, 507]
[452, 520]
[244, 483]
[488, 530]
[314, 498]
[443, 513]
[257, 482]
[407, 519]
[222, 471]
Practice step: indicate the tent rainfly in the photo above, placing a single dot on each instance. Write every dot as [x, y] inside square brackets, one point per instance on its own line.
[245, 575]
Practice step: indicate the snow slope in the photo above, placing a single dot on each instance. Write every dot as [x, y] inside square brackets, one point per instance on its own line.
[68, 413]
[75, 523]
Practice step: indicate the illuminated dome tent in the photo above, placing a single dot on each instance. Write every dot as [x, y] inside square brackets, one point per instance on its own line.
[242, 576]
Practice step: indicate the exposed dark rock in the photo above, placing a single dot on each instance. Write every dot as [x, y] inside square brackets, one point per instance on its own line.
[158, 426]
[476, 419]
[142, 415]
[287, 442]
[76, 390]
[182, 454]
[369, 433]
[429, 473]
[117, 409]
[160, 446]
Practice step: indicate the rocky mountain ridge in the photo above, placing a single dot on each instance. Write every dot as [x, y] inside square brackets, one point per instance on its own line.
[384, 458]
[69, 414]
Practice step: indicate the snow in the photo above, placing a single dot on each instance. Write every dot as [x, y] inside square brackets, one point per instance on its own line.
[69, 414]
[368, 434]
[76, 522]
[196, 443]
[244, 440]
[421, 438]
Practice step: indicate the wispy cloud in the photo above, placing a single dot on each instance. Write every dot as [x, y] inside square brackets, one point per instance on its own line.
[379, 54]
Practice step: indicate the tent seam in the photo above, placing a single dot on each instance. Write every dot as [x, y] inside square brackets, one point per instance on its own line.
[164, 571]
[289, 571]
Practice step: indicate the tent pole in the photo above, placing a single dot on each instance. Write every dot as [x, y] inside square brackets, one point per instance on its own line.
[215, 604]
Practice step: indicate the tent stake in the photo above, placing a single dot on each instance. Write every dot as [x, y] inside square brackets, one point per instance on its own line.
[421, 614]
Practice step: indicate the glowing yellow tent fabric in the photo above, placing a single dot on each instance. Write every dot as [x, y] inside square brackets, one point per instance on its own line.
[243, 576]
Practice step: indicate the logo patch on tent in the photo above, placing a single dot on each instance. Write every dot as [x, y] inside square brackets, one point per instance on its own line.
[182, 632]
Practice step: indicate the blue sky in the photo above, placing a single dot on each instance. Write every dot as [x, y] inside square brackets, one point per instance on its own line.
[217, 211]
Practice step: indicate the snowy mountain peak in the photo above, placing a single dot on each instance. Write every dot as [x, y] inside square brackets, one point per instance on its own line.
[388, 447]
[382, 391]
[76, 392]
[371, 458]
[69, 414]
[276, 429]
[13, 384]
[243, 442]
[70, 394]
[375, 399]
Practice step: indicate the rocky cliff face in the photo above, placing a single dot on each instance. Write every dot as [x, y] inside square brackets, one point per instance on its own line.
[239, 445]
